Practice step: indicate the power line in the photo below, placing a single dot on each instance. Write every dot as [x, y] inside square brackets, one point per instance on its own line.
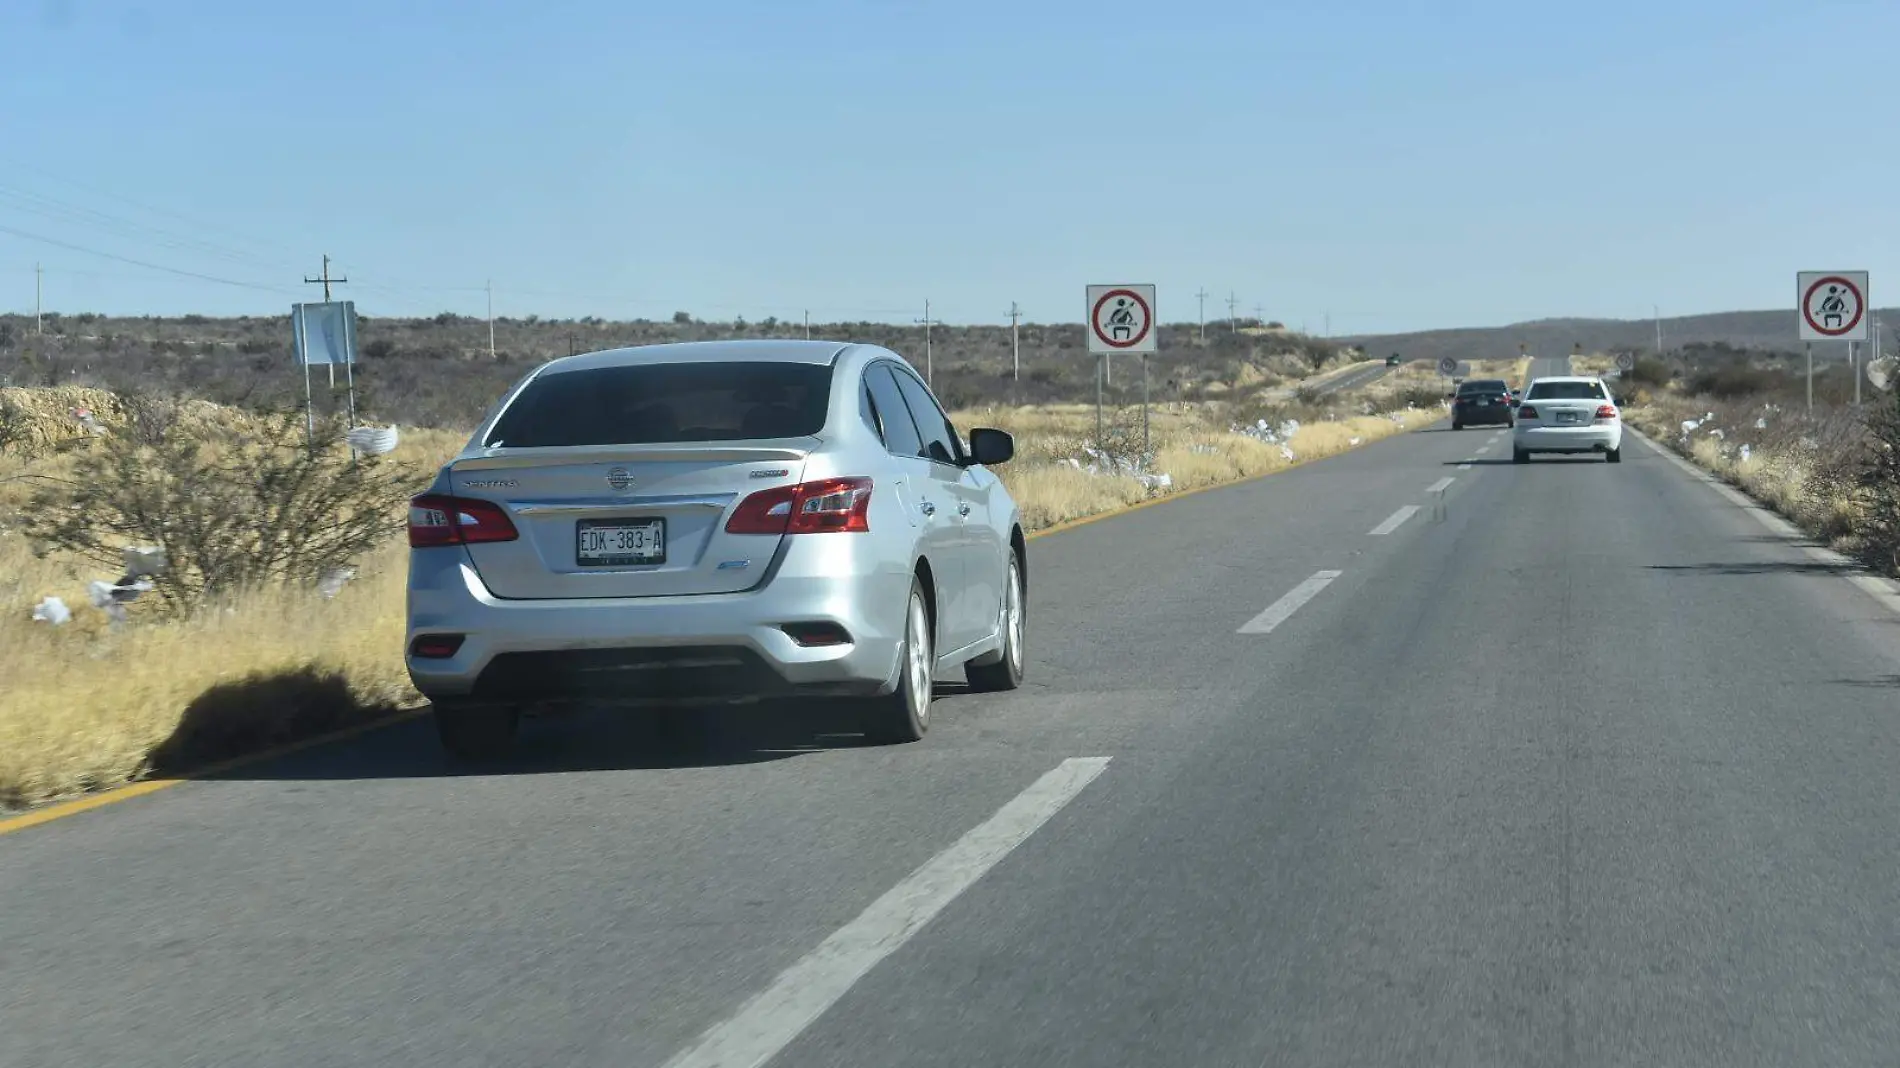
[140, 263]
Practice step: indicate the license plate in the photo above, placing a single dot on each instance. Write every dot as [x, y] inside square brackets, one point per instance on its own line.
[1566, 417]
[619, 542]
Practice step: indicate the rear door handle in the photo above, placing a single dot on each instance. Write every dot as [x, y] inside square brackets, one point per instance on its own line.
[929, 509]
[963, 509]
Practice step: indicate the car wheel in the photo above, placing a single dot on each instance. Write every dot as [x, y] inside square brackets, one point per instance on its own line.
[903, 715]
[476, 732]
[1614, 456]
[1007, 672]
[1457, 426]
[1519, 456]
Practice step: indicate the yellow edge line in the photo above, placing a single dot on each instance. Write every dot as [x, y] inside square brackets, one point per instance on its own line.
[63, 809]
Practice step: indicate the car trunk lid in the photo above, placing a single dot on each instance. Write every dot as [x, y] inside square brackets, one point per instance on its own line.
[625, 520]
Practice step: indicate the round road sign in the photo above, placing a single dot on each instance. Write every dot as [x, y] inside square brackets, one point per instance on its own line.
[1447, 365]
[1625, 361]
[1121, 319]
[1832, 306]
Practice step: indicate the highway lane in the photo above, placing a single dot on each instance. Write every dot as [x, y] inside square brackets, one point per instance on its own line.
[1359, 379]
[1589, 770]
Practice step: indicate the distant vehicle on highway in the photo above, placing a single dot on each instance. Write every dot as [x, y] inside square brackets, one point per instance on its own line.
[1481, 402]
[1568, 414]
[1392, 360]
[714, 521]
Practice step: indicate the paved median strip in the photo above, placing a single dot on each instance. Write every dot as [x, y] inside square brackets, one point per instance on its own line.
[801, 993]
[1393, 521]
[1281, 610]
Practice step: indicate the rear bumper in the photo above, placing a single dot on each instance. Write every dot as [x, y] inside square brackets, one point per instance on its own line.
[1597, 437]
[1493, 416]
[715, 647]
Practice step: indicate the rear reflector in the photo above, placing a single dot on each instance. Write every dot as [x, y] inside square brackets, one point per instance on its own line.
[1526, 412]
[438, 519]
[829, 505]
[812, 635]
[435, 646]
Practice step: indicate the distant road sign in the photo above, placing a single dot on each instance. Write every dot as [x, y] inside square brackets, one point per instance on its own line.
[1625, 361]
[1833, 305]
[1122, 319]
[1447, 365]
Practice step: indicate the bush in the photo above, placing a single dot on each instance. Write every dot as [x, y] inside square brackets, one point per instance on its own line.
[1648, 371]
[233, 508]
[1729, 383]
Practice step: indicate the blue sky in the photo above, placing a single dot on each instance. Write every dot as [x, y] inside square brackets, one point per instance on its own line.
[1390, 165]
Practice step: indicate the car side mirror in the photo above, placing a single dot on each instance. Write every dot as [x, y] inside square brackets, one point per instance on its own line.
[989, 446]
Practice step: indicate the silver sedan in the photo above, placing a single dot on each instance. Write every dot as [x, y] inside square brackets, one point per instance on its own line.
[714, 521]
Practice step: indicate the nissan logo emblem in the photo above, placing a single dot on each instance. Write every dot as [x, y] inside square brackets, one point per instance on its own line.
[619, 479]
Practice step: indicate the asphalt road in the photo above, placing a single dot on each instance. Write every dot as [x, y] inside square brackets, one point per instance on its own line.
[1575, 764]
[1359, 379]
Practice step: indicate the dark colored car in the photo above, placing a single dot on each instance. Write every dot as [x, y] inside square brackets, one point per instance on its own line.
[1392, 360]
[1482, 402]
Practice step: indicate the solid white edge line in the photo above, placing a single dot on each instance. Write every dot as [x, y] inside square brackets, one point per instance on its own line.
[772, 1018]
[1393, 521]
[1441, 485]
[1281, 610]
[1883, 590]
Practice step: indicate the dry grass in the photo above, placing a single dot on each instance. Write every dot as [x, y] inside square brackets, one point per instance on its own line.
[86, 707]
[1776, 457]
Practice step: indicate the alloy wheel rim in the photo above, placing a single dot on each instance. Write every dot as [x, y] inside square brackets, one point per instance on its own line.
[918, 644]
[1015, 610]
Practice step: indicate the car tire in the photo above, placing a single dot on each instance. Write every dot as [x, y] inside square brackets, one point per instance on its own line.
[1519, 456]
[476, 732]
[1006, 673]
[903, 715]
[1457, 426]
[1613, 456]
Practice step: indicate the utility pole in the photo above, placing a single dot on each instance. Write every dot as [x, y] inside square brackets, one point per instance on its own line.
[326, 280]
[1015, 350]
[1329, 324]
[1658, 312]
[1233, 302]
[1201, 296]
[929, 366]
[571, 350]
[39, 323]
[807, 324]
[490, 286]
[1259, 316]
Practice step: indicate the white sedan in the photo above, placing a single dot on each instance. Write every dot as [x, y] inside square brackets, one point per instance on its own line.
[1567, 414]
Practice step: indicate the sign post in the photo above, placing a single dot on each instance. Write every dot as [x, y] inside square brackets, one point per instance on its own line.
[1121, 318]
[325, 333]
[1833, 307]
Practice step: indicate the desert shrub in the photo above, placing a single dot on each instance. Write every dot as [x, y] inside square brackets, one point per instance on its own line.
[1648, 371]
[1419, 397]
[1729, 383]
[233, 507]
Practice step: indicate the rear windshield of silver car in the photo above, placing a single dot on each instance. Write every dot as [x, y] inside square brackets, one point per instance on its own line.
[666, 402]
[1567, 391]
